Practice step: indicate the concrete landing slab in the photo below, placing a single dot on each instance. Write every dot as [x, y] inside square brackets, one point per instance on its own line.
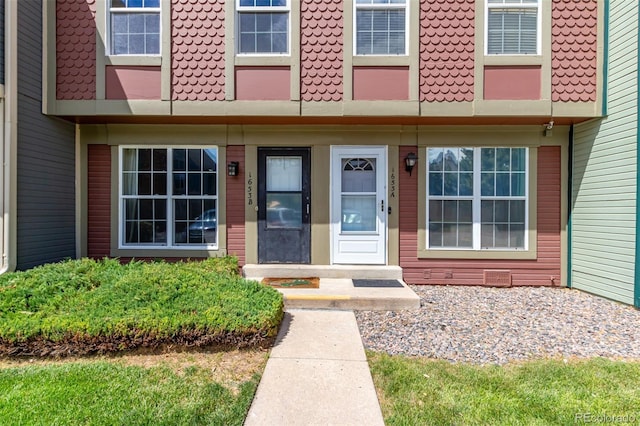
[317, 374]
[340, 293]
[323, 271]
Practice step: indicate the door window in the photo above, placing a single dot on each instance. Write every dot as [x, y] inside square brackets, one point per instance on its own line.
[284, 192]
[359, 195]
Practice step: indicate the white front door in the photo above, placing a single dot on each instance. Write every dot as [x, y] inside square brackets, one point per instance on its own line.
[359, 205]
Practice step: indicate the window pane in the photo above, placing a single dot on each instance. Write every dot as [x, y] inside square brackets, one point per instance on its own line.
[180, 209]
[144, 159]
[450, 211]
[501, 235]
[436, 158]
[160, 184]
[486, 237]
[502, 184]
[501, 211]
[159, 159]
[486, 211]
[435, 211]
[503, 159]
[466, 184]
[451, 160]
[209, 182]
[518, 159]
[465, 235]
[194, 185]
[516, 236]
[284, 173]
[488, 159]
[449, 235]
[284, 210]
[435, 235]
[435, 184]
[517, 212]
[129, 183]
[359, 211]
[451, 184]
[194, 157]
[144, 183]
[146, 209]
[487, 185]
[465, 211]
[179, 183]
[518, 184]
[210, 160]
[466, 159]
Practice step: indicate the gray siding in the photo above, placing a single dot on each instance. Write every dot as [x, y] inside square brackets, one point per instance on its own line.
[605, 167]
[46, 150]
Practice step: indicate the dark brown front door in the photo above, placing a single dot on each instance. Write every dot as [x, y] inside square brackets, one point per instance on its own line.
[284, 198]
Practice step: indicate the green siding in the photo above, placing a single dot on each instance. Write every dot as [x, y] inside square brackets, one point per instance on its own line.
[604, 186]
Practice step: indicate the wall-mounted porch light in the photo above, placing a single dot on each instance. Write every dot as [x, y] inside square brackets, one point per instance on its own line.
[232, 168]
[410, 161]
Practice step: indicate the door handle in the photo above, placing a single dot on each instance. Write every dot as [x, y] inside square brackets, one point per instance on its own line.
[307, 208]
[382, 205]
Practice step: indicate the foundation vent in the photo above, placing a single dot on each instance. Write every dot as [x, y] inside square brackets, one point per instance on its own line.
[497, 278]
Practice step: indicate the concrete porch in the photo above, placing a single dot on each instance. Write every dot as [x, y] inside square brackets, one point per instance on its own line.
[337, 290]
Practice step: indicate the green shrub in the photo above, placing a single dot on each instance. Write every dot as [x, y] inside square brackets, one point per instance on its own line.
[95, 303]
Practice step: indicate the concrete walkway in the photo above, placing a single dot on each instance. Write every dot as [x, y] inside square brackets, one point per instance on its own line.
[317, 374]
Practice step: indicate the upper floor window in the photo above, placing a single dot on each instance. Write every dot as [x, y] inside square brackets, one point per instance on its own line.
[263, 26]
[381, 27]
[135, 27]
[512, 27]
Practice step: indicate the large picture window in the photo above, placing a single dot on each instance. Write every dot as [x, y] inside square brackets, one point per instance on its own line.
[512, 27]
[477, 198]
[169, 197]
[263, 26]
[134, 27]
[381, 27]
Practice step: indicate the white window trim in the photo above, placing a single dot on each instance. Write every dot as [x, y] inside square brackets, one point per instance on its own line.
[513, 5]
[476, 206]
[169, 197]
[241, 9]
[116, 10]
[404, 6]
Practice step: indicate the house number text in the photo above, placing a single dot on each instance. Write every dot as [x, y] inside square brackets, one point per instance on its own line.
[250, 190]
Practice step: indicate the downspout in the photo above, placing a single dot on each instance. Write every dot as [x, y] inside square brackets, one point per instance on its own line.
[9, 137]
[570, 206]
[636, 272]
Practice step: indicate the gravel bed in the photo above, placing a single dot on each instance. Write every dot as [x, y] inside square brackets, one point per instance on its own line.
[483, 325]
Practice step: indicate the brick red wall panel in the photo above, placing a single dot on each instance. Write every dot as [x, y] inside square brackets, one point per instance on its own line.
[75, 49]
[447, 30]
[321, 50]
[99, 196]
[197, 49]
[235, 206]
[574, 50]
[470, 272]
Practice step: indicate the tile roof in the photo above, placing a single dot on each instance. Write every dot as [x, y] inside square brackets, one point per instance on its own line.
[447, 50]
[197, 50]
[321, 40]
[574, 50]
[75, 49]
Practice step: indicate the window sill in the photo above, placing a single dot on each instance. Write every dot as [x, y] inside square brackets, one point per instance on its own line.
[478, 254]
[381, 60]
[504, 60]
[263, 60]
[133, 60]
[167, 252]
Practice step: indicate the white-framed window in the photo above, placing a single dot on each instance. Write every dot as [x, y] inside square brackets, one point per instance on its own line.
[477, 198]
[381, 27]
[513, 27]
[134, 27]
[263, 26]
[168, 197]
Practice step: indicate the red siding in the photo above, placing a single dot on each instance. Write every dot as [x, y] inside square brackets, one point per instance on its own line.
[75, 49]
[471, 272]
[235, 206]
[99, 196]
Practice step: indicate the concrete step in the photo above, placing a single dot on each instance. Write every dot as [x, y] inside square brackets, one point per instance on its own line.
[323, 271]
[340, 294]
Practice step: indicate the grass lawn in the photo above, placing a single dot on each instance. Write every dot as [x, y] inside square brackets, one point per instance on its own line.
[168, 389]
[416, 391]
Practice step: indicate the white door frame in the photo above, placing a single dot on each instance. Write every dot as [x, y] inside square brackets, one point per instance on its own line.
[355, 247]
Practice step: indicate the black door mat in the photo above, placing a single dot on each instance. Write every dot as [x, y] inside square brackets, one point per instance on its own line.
[377, 283]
